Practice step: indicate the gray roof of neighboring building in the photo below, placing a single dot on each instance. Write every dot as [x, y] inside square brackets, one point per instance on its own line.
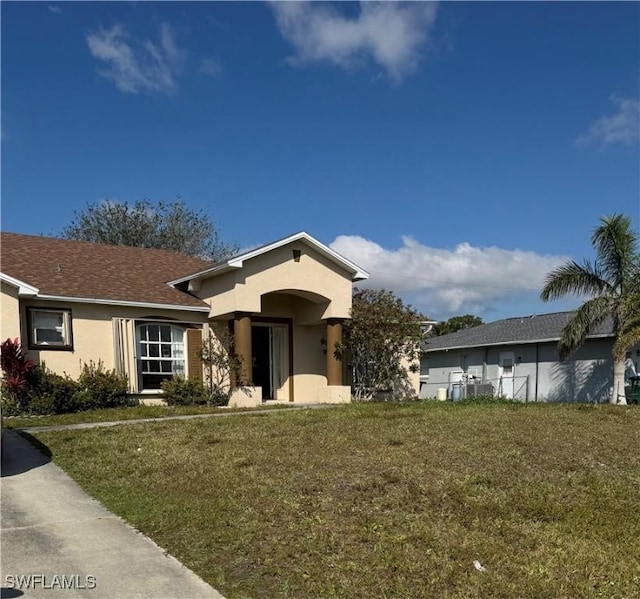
[522, 329]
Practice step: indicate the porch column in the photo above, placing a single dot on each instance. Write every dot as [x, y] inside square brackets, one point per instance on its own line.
[242, 344]
[334, 365]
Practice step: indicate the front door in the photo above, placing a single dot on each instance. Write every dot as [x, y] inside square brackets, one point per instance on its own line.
[268, 359]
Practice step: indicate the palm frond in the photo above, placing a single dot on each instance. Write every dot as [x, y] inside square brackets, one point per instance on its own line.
[572, 278]
[632, 282]
[583, 321]
[629, 310]
[625, 341]
[615, 244]
[629, 321]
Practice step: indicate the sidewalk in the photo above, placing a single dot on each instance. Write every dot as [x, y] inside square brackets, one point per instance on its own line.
[52, 530]
[248, 412]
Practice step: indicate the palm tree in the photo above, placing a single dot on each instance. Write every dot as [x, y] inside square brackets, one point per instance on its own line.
[612, 284]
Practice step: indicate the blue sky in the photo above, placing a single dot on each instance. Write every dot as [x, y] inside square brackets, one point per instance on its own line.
[457, 150]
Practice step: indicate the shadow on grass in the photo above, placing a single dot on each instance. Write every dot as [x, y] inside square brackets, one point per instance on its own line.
[22, 452]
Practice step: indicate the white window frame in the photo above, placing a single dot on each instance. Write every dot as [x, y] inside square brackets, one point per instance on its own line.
[64, 329]
[173, 352]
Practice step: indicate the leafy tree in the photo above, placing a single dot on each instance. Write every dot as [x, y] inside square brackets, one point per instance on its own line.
[455, 323]
[221, 364]
[382, 339]
[612, 284]
[163, 225]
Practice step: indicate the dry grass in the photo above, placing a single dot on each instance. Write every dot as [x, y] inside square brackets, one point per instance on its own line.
[124, 413]
[382, 500]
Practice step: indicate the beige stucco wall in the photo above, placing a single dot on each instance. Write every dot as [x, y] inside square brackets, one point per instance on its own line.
[307, 292]
[314, 277]
[413, 377]
[9, 312]
[92, 331]
[309, 363]
[308, 375]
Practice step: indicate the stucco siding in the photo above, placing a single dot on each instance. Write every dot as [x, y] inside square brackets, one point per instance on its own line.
[539, 375]
[10, 312]
[411, 386]
[242, 290]
[309, 362]
[276, 285]
[92, 333]
[586, 377]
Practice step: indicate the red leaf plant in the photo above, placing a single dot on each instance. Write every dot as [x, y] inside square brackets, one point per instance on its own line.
[15, 366]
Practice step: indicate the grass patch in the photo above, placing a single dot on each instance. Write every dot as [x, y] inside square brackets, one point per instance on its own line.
[382, 500]
[124, 413]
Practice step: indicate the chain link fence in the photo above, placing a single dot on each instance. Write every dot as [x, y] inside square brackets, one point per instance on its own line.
[516, 388]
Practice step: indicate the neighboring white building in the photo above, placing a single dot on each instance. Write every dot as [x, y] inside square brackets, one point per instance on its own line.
[517, 358]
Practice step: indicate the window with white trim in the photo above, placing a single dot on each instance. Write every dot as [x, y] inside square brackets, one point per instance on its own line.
[160, 353]
[50, 329]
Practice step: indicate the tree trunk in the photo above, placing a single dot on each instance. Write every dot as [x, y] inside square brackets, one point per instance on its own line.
[618, 396]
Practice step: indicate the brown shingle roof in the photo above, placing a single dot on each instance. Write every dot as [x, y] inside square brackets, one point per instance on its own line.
[78, 269]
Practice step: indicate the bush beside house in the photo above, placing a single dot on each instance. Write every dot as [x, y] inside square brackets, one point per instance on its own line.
[179, 391]
[30, 388]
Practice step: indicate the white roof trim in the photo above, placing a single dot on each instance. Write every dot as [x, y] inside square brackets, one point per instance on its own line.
[92, 300]
[24, 289]
[357, 273]
[514, 342]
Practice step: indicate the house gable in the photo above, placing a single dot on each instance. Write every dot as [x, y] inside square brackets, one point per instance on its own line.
[299, 267]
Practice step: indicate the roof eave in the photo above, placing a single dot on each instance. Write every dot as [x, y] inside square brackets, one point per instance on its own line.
[112, 302]
[512, 342]
[357, 273]
[24, 289]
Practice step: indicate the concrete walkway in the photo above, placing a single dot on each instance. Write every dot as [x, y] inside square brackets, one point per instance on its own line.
[55, 532]
[248, 412]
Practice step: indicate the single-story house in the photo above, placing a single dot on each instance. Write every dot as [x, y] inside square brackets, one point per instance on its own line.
[517, 358]
[143, 312]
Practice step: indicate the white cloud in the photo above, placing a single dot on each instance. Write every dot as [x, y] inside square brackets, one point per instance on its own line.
[54, 9]
[211, 67]
[449, 281]
[138, 67]
[621, 127]
[389, 33]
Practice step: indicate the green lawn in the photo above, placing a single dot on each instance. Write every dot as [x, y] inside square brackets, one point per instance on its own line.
[382, 500]
[125, 413]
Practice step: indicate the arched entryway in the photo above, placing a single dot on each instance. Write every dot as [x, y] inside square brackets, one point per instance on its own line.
[284, 347]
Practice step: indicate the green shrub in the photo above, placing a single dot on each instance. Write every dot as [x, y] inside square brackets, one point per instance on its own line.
[184, 392]
[9, 403]
[218, 397]
[83, 401]
[42, 405]
[52, 394]
[101, 388]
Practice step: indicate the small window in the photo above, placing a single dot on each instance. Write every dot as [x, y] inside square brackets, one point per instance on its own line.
[50, 329]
